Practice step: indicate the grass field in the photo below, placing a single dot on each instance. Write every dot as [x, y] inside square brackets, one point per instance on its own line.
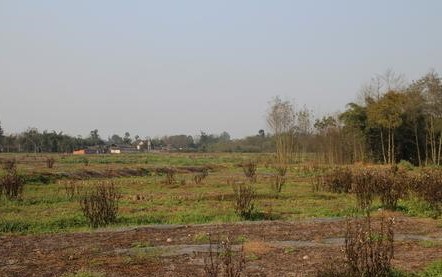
[46, 207]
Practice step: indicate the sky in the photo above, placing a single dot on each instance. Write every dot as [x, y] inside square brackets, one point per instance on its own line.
[155, 68]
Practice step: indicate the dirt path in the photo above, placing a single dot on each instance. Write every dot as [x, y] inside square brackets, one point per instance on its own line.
[272, 248]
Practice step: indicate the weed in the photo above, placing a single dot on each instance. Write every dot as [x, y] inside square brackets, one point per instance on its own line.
[85, 161]
[201, 238]
[279, 178]
[170, 176]
[13, 226]
[241, 239]
[11, 184]
[368, 249]
[249, 169]
[244, 196]
[200, 176]
[224, 261]
[100, 206]
[50, 161]
[72, 188]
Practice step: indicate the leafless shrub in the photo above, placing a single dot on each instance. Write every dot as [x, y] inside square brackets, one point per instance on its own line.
[364, 187]
[391, 185]
[339, 180]
[244, 196]
[232, 180]
[249, 169]
[429, 187]
[317, 183]
[86, 161]
[369, 248]
[279, 178]
[50, 161]
[11, 184]
[72, 188]
[169, 174]
[200, 176]
[100, 205]
[9, 164]
[223, 261]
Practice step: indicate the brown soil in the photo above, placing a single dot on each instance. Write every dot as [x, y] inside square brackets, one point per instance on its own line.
[267, 248]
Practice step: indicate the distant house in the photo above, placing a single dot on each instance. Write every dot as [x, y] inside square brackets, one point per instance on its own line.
[86, 151]
[143, 145]
[120, 149]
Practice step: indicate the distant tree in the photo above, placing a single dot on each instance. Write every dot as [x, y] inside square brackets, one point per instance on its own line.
[303, 130]
[116, 139]
[30, 140]
[224, 137]
[2, 137]
[281, 121]
[179, 142]
[126, 138]
[430, 87]
[261, 133]
[1, 130]
[156, 143]
[386, 113]
[326, 129]
[355, 124]
[94, 138]
[381, 84]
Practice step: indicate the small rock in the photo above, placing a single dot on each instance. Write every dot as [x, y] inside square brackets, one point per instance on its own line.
[305, 257]
[11, 262]
[169, 240]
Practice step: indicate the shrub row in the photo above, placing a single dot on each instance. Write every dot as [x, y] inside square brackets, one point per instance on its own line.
[389, 185]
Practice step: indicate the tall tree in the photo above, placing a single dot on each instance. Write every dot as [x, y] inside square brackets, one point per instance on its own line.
[355, 121]
[386, 113]
[281, 119]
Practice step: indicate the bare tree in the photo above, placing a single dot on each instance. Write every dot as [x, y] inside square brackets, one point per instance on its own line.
[281, 119]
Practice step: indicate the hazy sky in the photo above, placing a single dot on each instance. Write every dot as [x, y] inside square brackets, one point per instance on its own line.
[169, 67]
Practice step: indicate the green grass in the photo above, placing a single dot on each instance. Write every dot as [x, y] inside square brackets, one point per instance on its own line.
[46, 208]
[433, 270]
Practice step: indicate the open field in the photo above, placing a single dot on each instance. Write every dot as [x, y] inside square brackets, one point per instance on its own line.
[291, 233]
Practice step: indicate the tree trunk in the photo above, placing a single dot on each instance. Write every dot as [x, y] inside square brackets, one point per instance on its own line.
[383, 146]
[390, 147]
[417, 145]
[393, 153]
[440, 150]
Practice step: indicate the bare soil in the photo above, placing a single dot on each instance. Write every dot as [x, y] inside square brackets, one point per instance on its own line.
[272, 248]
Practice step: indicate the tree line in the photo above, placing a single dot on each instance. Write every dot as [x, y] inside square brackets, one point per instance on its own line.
[34, 141]
[391, 121]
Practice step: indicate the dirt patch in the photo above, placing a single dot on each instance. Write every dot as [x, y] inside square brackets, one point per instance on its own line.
[273, 248]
